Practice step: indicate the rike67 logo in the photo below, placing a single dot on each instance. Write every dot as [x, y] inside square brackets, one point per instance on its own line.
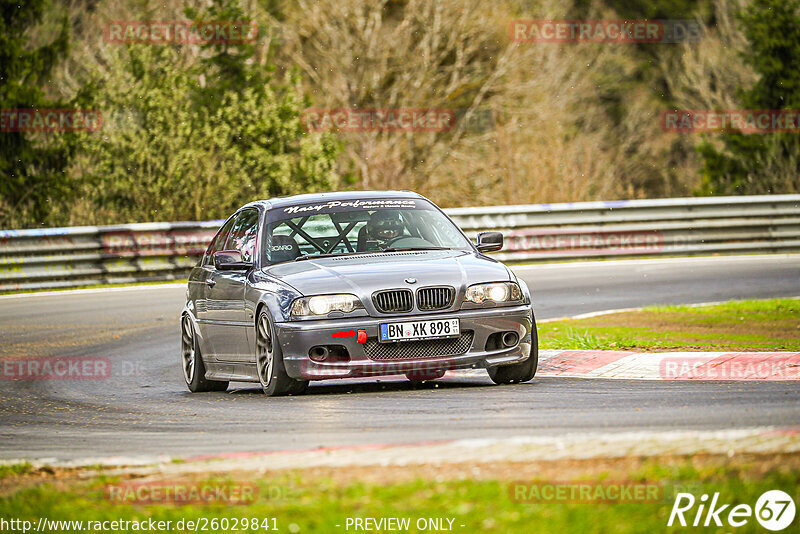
[774, 510]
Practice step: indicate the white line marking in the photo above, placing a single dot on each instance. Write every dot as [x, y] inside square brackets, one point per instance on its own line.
[624, 310]
[91, 290]
[653, 261]
[587, 315]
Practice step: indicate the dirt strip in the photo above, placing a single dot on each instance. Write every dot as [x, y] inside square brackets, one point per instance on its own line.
[765, 440]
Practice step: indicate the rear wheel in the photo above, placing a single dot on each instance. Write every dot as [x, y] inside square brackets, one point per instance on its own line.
[269, 362]
[518, 372]
[194, 371]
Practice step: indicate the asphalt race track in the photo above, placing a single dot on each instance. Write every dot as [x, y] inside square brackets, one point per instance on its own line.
[144, 409]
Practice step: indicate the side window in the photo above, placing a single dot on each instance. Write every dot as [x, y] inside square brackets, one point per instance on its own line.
[244, 233]
[218, 243]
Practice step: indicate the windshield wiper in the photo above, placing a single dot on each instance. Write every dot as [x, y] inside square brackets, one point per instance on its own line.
[331, 255]
[390, 249]
[408, 249]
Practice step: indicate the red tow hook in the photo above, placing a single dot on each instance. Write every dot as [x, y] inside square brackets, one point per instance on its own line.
[361, 335]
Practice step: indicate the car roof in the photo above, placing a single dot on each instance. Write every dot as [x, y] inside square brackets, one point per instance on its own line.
[292, 200]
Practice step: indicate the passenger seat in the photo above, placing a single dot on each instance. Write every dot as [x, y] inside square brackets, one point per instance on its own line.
[283, 248]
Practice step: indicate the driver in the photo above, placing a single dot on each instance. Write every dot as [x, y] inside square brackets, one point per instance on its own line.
[382, 228]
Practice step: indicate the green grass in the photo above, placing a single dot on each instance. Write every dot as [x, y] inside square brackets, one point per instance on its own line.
[318, 505]
[9, 470]
[746, 325]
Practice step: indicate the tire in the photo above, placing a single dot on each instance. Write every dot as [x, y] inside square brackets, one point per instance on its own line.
[269, 362]
[194, 370]
[519, 372]
[422, 377]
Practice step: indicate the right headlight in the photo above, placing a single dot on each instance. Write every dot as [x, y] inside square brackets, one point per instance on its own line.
[494, 292]
[319, 305]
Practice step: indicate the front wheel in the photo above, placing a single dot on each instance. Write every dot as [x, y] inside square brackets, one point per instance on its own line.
[518, 372]
[269, 362]
[194, 370]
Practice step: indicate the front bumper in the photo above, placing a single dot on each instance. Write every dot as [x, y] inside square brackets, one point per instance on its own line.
[296, 338]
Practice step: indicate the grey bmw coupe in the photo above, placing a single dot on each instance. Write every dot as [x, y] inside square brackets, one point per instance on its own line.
[351, 284]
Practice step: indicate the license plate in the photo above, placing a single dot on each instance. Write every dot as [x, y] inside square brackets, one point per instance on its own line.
[439, 328]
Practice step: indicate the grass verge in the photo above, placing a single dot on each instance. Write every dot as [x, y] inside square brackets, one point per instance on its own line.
[15, 469]
[746, 325]
[466, 498]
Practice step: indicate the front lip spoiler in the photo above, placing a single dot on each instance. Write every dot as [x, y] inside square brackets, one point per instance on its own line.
[296, 338]
[471, 360]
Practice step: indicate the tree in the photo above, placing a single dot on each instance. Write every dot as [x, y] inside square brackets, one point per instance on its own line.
[534, 122]
[199, 138]
[32, 165]
[762, 163]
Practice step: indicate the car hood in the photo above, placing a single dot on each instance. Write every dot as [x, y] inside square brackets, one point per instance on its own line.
[364, 274]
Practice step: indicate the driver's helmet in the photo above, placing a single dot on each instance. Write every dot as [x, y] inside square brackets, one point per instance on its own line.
[385, 225]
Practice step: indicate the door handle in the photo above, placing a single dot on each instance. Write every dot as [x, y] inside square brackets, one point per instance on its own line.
[211, 282]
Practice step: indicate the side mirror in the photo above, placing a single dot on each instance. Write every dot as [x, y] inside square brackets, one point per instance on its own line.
[490, 241]
[230, 260]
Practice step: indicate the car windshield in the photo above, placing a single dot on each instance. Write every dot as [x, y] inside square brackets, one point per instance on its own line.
[335, 228]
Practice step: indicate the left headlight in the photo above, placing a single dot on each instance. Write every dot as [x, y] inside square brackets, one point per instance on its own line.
[325, 304]
[494, 292]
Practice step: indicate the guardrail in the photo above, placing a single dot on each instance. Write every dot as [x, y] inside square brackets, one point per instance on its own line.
[78, 256]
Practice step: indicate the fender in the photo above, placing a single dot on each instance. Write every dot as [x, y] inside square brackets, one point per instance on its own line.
[189, 311]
